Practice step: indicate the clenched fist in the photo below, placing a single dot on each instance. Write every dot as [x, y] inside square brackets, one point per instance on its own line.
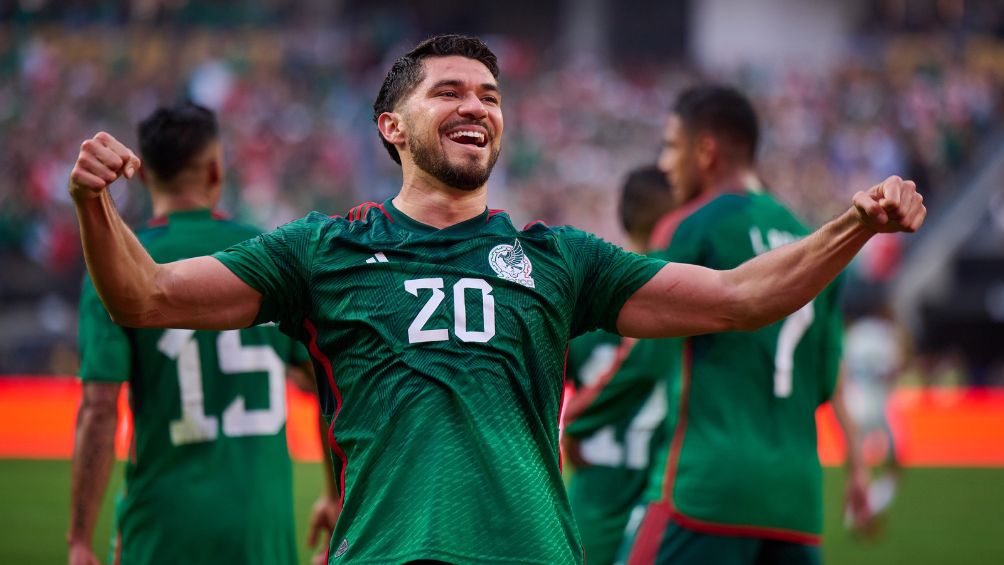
[893, 206]
[102, 160]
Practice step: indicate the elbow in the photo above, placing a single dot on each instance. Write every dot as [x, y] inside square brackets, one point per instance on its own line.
[136, 314]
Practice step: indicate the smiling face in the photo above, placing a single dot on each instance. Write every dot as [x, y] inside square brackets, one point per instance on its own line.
[451, 123]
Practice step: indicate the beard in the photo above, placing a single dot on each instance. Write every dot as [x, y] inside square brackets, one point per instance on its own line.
[470, 175]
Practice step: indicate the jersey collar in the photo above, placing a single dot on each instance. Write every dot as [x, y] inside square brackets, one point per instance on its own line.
[196, 215]
[471, 225]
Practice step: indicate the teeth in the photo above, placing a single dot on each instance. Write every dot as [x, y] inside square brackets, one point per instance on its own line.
[472, 134]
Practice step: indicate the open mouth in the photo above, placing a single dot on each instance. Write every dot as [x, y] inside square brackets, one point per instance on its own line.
[466, 136]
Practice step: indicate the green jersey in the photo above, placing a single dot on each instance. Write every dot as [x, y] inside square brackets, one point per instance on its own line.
[743, 459]
[208, 479]
[617, 415]
[443, 354]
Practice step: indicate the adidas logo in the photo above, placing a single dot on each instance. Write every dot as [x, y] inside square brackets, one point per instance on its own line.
[344, 546]
[377, 257]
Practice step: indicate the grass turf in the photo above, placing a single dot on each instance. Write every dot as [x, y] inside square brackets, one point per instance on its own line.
[939, 516]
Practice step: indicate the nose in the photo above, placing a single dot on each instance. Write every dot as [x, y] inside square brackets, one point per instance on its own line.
[472, 107]
[665, 162]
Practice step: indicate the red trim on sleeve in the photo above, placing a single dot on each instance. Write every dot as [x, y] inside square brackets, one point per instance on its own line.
[325, 363]
[526, 227]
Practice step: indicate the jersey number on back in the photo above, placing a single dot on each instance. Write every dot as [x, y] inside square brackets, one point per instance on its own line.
[417, 333]
[792, 330]
[195, 426]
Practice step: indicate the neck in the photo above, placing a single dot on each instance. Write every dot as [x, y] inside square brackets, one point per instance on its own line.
[429, 201]
[739, 179]
[165, 203]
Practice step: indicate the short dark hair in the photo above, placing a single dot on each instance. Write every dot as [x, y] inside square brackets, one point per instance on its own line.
[407, 72]
[723, 112]
[173, 135]
[645, 197]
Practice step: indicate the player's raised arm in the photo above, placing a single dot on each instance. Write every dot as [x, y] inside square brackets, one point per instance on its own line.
[688, 300]
[198, 293]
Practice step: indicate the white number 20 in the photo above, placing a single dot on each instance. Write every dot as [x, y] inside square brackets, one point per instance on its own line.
[417, 332]
[195, 426]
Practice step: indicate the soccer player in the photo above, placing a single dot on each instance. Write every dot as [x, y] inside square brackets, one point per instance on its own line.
[610, 448]
[208, 479]
[741, 482]
[876, 350]
[437, 328]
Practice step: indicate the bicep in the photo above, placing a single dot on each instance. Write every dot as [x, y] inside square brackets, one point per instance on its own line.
[203, 294]
[680, 300]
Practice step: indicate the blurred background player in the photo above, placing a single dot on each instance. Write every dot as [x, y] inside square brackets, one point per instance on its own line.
[876, 350]
[742, 481]
[208, 479]
[609, 446]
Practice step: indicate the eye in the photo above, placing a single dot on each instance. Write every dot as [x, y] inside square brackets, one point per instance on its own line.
[490, 99]
[448, 94]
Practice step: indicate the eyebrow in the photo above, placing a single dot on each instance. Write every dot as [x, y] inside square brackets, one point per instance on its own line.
[489, 86]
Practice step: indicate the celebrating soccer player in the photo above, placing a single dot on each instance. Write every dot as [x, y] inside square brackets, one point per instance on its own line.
[741, 481]
[208, 478]
[438, 328]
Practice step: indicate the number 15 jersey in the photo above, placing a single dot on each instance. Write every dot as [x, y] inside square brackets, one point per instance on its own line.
[208, 478]
[442, 352]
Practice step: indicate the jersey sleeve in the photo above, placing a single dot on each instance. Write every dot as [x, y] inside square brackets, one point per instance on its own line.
[105, 349]
[604, 277]
[278, 265]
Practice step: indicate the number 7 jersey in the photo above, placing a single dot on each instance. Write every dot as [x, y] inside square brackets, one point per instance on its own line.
[442, 354]
[742, 458]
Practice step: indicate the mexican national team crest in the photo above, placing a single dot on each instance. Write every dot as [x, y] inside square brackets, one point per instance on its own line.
[510, 263]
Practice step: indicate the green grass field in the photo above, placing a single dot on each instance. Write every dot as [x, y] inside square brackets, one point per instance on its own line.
[940, 516]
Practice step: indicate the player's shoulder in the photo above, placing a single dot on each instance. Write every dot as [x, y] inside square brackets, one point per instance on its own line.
[541, 229]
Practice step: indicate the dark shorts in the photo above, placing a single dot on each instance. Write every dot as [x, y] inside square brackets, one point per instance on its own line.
[662, 541]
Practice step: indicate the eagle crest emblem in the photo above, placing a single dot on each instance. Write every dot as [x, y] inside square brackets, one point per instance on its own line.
[511, 263]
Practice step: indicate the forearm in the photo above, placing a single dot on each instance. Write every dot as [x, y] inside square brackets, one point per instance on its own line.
[775, 284]
[93, 459]
[123, 272]
[852, 439]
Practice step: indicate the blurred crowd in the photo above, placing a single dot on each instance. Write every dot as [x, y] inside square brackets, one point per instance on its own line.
[295, 108]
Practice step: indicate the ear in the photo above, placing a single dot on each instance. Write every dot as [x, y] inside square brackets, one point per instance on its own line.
[392, 129]
[706, 152]
[214, 170]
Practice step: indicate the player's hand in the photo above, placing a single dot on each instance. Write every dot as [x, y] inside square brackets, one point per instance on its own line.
[893, 206]
[323, 517]
[859, 514]
[573, 452]
[102, 160]
[82, 554]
